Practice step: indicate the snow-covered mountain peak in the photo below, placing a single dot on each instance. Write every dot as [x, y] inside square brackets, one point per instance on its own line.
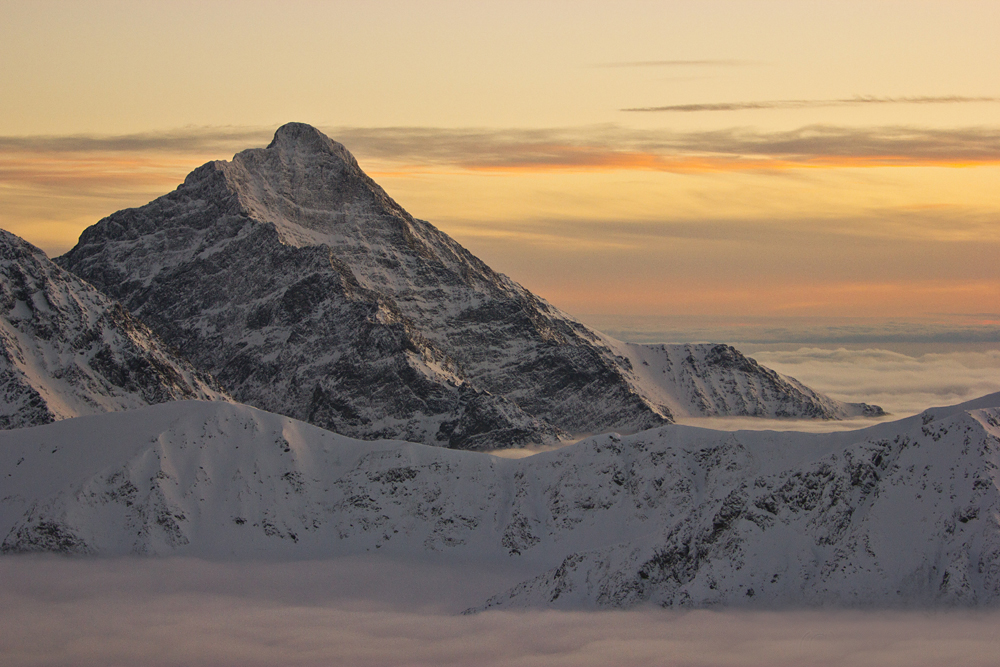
[272, 270]
[301, 138]
[312, 190]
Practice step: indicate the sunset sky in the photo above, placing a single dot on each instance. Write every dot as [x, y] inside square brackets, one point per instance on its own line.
[730, 159]
[816, 182]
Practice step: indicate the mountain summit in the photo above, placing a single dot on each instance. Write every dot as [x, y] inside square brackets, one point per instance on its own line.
[306, 290]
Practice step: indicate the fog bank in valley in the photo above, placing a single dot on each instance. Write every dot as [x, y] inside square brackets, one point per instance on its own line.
[359, 611]
[903, 384]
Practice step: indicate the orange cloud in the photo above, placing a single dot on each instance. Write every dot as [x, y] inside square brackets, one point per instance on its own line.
[90, 170]
[120, 171]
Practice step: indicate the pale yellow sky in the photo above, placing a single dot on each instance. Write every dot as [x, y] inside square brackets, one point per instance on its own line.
[837, 158]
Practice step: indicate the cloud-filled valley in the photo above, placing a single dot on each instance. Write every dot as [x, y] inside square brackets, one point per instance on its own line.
[904, 384]
[367, 612]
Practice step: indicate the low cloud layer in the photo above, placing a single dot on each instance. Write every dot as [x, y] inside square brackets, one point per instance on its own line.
[858, 100]
[903, 384]
[167, 612]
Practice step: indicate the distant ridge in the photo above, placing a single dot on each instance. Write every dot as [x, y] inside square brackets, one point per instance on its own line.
[297, 281]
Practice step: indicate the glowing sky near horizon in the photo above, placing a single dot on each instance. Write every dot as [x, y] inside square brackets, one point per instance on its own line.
[739, 157]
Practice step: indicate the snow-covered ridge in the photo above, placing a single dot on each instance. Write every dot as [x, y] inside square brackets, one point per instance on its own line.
[298, 282]
[67, 350]
[899, 513]
[699, 380]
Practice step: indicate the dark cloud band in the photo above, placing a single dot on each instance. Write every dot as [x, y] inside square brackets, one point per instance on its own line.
[609, 146]
[812, 104]
[594, 147]
[180, 140]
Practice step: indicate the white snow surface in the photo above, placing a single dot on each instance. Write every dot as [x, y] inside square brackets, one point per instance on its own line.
[67, 350]
[902, 513]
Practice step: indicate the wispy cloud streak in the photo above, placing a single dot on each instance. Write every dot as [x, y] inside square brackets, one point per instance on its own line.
[190, 139]
[858, 100]
[678, 63]
[614, 148]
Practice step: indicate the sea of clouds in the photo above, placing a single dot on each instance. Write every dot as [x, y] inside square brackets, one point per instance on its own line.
[365, 612]
[903, 384]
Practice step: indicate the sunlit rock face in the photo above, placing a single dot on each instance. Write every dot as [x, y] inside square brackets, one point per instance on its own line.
[293, 277]
[67, 350]
[899, 514]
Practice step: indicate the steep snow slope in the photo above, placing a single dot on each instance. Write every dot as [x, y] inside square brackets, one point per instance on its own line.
[899, 513]
[67, 350]
[295, 279]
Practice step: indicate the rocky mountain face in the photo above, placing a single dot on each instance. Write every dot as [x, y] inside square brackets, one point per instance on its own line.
[902, 513]
[294, 279]
[67, 350]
